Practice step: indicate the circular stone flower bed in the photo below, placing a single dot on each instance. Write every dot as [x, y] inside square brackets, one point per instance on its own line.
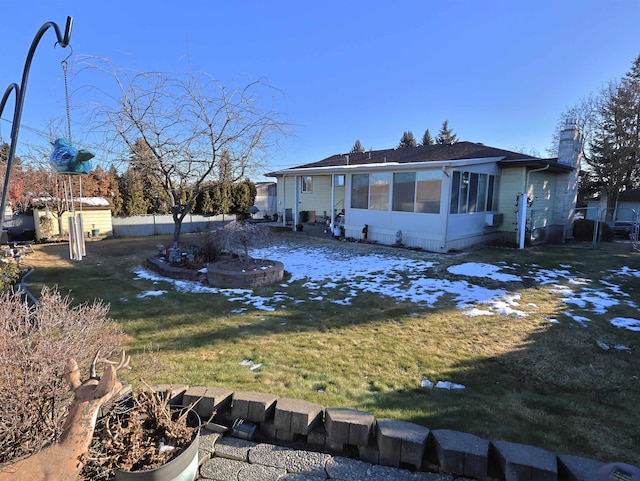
[233, 273]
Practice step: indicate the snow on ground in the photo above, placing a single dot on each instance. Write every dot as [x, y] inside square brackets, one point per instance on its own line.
[331, 275]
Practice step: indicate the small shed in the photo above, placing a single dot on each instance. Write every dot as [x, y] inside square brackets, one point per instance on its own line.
[95, 212]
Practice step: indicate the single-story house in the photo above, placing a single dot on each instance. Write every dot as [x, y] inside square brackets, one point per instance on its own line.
[439, 197]
[627, 208]
[95, 213]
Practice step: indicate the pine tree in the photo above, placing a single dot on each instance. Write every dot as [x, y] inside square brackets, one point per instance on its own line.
[357, 148]
[134, 201]
[446, 135]
[426, 138]
[613, 146]
[206, 203]
[407, 140]
[115, 197]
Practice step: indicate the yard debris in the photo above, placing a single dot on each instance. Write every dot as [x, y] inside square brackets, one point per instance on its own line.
[252, 365]
[602, 345]
[449, 385]
[440, 384]
[426, 383]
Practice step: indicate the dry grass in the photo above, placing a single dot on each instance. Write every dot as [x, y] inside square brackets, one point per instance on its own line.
[527, 380]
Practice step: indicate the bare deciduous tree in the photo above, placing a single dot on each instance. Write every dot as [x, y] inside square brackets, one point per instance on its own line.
[178, 128]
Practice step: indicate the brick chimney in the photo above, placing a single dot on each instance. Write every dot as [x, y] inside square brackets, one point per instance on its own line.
[570, 146]
[569, 153]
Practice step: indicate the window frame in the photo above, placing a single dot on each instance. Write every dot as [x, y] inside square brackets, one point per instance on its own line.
[306, 179]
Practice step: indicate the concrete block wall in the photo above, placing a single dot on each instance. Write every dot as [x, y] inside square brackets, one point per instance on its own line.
[385, 442]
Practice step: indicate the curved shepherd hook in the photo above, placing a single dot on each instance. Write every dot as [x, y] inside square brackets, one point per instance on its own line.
[63, 41]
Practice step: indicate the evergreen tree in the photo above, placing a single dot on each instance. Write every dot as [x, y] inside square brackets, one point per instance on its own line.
[446, 135]
[134, 201]
[407, 140]
[357, 148]
[243, 196]
[426, 138]
[114, 196]
[207, 203]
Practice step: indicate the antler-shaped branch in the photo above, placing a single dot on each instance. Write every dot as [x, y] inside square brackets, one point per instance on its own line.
[123, 364]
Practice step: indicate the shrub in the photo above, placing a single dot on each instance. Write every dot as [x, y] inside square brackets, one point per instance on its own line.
[9, 273]
[238, 237]
[35, 343]
[583, 230]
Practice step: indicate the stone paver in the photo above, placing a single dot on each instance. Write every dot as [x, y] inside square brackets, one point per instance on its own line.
[401, 442]
[296, 415]
[258, 472]
[461, 453]
[520, 462]
[301, 477]
[348, 426]
[347, 469]
[576, 468]
[208, 440]
[234, 448]
[251, 406]
[221, 469]
[208, 399]
[293, 460]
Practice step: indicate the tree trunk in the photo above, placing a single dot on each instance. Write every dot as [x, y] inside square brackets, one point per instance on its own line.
[60, 226]
[177, 228]
[612, 202]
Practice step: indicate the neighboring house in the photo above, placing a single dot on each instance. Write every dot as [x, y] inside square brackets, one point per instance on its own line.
[440, 197]
[95, 211]
[266, 199]
[627, 209]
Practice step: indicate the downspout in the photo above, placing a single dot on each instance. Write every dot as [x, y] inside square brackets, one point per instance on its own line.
[296, 202]
[333, 201]
[284, 199]
[447, 206]
[525, 197]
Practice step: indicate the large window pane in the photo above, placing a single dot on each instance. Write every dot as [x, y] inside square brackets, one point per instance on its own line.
[404, 189]
[428, 192]
[360, 191]
[491, 194]
[379, 191]
[482, 193]
[473, 192]
[455, 192]
[464, 193]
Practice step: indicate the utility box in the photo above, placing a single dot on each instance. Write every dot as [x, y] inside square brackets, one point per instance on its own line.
[493, 219]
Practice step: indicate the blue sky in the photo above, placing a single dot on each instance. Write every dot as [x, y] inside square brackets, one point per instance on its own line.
[500, 71]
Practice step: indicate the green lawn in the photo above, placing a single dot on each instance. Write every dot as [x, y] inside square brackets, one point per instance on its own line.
[527, 379]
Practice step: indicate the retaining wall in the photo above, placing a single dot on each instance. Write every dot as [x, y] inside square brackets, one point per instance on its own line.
[386, 442]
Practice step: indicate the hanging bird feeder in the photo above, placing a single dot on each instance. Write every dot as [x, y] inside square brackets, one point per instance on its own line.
[67, 159]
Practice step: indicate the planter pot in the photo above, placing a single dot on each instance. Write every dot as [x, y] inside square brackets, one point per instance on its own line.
[95, 232]
[183, 467]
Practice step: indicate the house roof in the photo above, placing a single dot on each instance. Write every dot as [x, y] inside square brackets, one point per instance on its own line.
[428, 153]
[632, 195]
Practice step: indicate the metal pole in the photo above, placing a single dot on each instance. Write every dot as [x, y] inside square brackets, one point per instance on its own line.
[63, 41]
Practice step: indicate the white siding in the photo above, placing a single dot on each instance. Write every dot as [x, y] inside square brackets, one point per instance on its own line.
[318, 200]
[511, 184]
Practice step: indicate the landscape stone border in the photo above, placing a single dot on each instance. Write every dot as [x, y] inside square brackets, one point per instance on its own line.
[381, 444]
[220, 277]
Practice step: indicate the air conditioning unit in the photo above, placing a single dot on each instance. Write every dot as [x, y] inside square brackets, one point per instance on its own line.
[493, 220]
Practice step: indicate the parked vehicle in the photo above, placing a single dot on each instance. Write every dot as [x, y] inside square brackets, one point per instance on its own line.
[622, 228]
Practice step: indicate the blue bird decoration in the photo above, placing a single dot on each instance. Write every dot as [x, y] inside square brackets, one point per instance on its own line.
[69, 160]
